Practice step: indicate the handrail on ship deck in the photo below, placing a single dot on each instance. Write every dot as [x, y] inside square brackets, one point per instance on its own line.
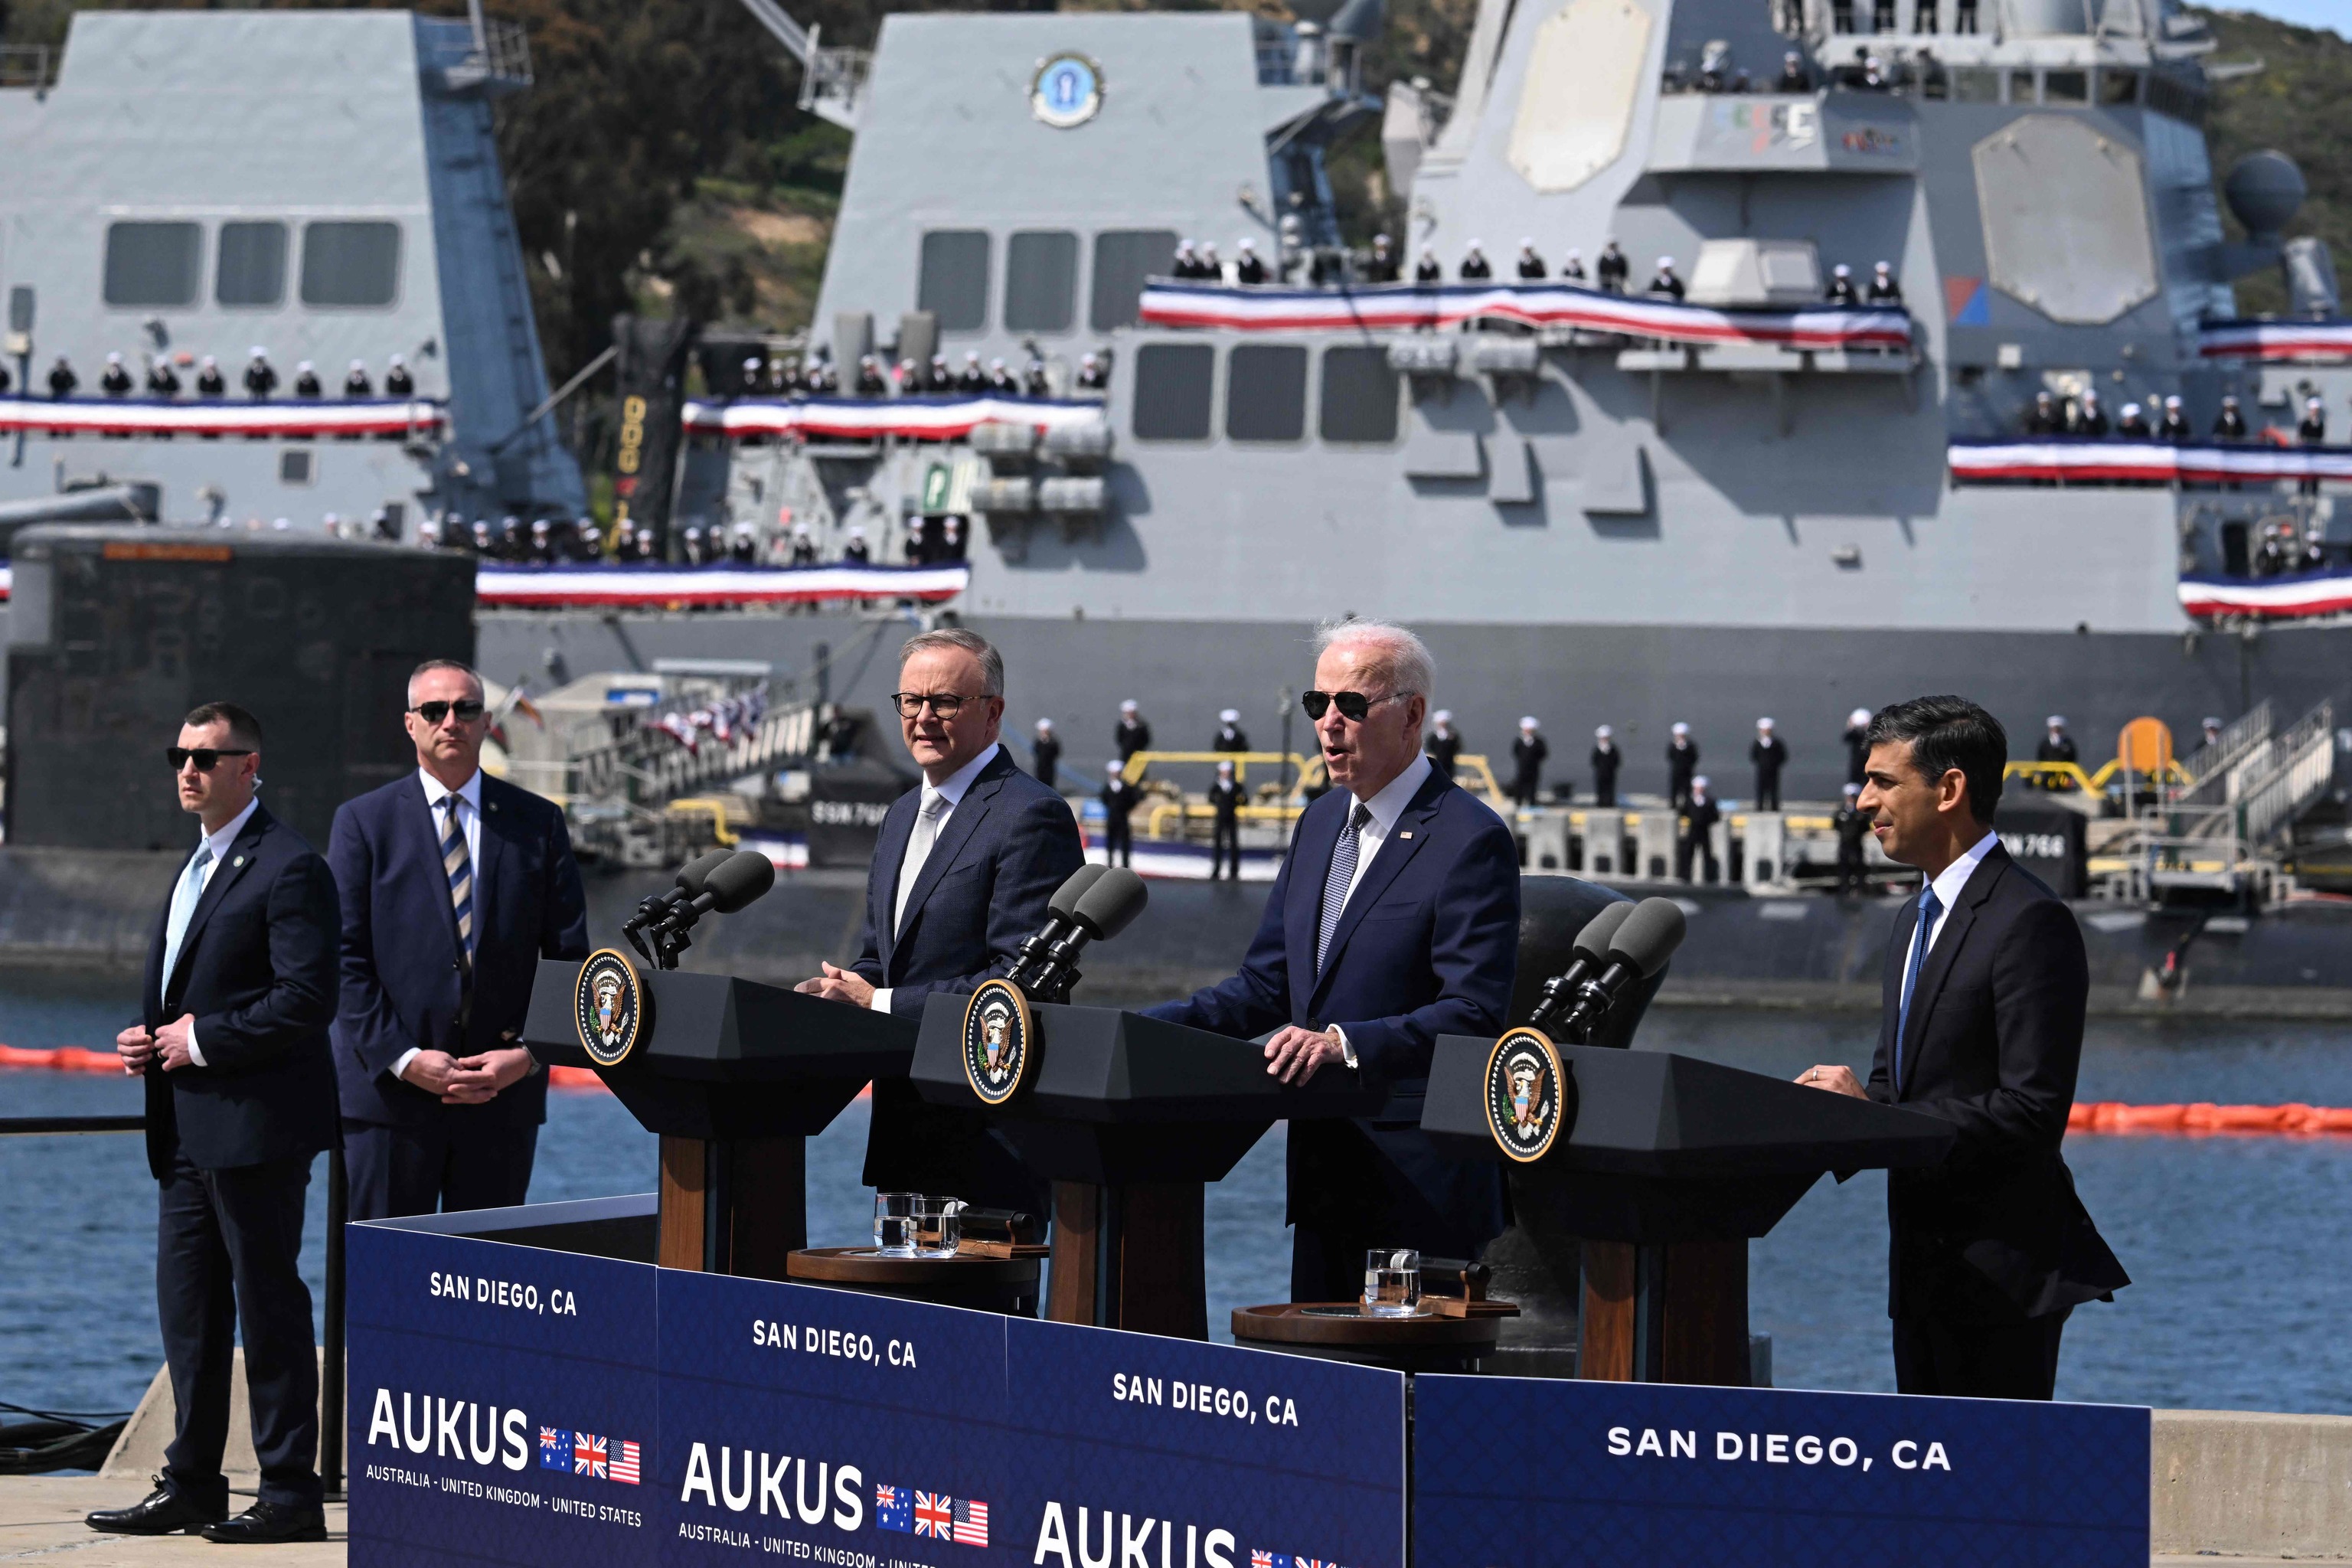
[1309, 773]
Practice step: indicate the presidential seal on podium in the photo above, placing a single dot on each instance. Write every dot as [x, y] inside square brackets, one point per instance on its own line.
[999, 1041]
[1526, 1089]
[610, 1008]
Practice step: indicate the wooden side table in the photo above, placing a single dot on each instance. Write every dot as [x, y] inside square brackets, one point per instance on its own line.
[1007, 1285]
[1342, 1330]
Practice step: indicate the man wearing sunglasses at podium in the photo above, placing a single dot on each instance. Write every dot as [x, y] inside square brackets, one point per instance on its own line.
[1396, 918]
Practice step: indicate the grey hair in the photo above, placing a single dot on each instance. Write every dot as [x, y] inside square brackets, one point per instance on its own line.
[1404, 658]
[991, 663]
[460, 666]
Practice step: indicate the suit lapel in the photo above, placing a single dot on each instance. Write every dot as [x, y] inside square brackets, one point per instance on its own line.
[488, 864]
[1899, 953]
[1311, 852]
[1938, 966]
[961, 823]
[1403, 842]
[890, 850]
[240, 855]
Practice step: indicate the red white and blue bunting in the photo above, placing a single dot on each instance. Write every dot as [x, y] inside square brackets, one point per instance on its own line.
[2267, 598]
[916, 418]
[1392, 306]
[2281, 341]
[660, 587]
[299, 420]
[2092, 460]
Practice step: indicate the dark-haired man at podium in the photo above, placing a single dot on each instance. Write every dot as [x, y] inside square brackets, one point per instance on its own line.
[1982, 1027]
[962, 871]
[1394, 920]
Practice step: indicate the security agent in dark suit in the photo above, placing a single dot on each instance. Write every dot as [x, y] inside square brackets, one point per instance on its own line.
[1981, 1026]
[1394, 920]
[962, 871]
[1225, 839]
[454, 885]
[239, 988]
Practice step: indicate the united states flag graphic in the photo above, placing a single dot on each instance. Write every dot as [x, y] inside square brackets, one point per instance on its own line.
[590, 1457]
[934, 1514]
[624, 1461]
[970, 1522]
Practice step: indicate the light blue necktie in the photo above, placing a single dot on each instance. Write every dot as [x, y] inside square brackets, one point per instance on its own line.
[1335, 885]
[183, 910]
[1929, 907]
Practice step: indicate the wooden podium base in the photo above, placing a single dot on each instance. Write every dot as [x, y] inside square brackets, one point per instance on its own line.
[734, 1206]
[1671, 1313]
[1129, 1258]
[1007, 1285]
[1342, 1330]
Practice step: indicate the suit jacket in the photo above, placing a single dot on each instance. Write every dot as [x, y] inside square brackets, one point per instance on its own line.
[1995, 1234]
[1427, 945]
[982, 891]
[402, 980]
[257, 968]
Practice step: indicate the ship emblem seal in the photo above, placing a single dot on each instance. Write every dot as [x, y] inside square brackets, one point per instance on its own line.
[610, 1008]
[1527, 1087]
[1067, 91]
[1000, 1042]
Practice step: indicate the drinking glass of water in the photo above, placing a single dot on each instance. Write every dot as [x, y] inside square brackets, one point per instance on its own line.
[896, 1233]
[938, 1226]
[1392, 1283]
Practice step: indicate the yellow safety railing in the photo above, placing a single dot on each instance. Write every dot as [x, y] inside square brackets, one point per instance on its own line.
[722, 812]
[2060, 774]
[1308, 771]
[1188, 811]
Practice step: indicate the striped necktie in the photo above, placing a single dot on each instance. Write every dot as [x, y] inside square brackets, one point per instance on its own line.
[460, 868]
[1336, 883]
[1929, 907]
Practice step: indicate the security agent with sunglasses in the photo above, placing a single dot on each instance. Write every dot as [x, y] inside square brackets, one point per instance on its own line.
[454, 885]
[239, 988]
[962, 872]
[1394, 920]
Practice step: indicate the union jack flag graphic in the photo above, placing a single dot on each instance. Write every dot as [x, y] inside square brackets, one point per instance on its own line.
[891, 1509]
[590, 1457]
[624, 1461]
[935, 1515]
[970, 1522]
[554, 1449]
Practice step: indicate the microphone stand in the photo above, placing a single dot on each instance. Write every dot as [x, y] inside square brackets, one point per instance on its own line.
[1046, 966]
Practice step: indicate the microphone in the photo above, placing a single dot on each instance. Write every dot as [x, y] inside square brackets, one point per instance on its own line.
[1095, 904]
[655, 906]
[1591, 950]
[737, 880]
[1640, 949]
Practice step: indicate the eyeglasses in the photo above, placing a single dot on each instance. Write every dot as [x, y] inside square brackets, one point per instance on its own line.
[206, 758]
[466, 710]
[946, 704]
[1352, 705]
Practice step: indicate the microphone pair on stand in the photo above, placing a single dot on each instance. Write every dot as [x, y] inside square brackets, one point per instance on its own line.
[1621, 946]
[722, 882]
[1095, 904]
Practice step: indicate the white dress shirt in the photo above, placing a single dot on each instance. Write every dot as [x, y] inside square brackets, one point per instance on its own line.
[470, 814]
[943, 797]
[218, 843]
[1947, 885]
[1380, 814]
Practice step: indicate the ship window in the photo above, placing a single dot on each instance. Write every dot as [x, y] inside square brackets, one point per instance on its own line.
[954, 282]
[2020, 87]
[351, 265]
[1040, 282]
[1266, 393]
[2065, 86]
[1975, 86]
[1172, 382]
[1359, 396]
[153, 263]
[1124, 258]
[251, 270]
[2119, 86]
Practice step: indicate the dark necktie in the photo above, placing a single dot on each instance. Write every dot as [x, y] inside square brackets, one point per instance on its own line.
[1929, 907]
[1335, 885]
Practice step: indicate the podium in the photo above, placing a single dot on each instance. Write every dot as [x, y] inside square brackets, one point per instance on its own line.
[1664, 1167]
[734, 1076]
[1128, 1118]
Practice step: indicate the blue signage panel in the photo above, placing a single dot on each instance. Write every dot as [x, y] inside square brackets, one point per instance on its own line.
[503, 1404]
[856, 1431]
[1531, 1472]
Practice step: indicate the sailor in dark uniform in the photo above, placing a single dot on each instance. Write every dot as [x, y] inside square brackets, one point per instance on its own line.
[1682, 763]
[1119, 798]
[1572, 269]
[1612, 269]
[1187, 264]
[162, 381]
[306, 381]
[1857, 747]
[1770, 754]
[1211, 270]
[1528, 752]
[1475, 267]
[1381, 267]
[1665, 282]
[919, 540]
[856, 551]
[210, 383]
[869, 376]
[2175, 426]
[542, 540]
[116, 382]
[1605, 760]
[1033, 380]
[1531, 265]
[1229, 736]
[2057, 746]
[2090, 419]
[1444, 744]
[1248, 271]
[1427, 270]
[1794, 76]
[803, 546]
[971, 379]
[1000, 380]
[1840, 289]
[951, 538]
[587, 540]
[1699, 814]
[1849, 824]
[1134, 731]
[1045, 752]
[2132, 424]
[356, 382]
[2044, 418]
[2315, 550]
[260, 379]
[397, 382]
[2230, 425]
[1884, 290]
[1225, 835]
[1093, 375]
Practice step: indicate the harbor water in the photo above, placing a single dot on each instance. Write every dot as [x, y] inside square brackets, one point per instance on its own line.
[2232, 1241]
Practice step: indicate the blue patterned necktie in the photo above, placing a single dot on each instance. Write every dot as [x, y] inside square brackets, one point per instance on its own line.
[1929, 907]
[460, 868]
[1335, 885]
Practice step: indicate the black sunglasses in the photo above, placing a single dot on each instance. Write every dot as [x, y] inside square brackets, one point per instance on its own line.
[1352, 705]
[206, 758]
[467, 711]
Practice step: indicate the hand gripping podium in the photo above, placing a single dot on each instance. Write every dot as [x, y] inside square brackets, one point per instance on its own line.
[1128, 1117]
[734, 1076]
[1665, 1166]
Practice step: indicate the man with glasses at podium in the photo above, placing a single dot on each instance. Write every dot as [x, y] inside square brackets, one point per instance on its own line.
[1394, 920]
[962, 872]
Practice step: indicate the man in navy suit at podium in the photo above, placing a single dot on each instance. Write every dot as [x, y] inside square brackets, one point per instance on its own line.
[1396, 918]
[963, 873]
